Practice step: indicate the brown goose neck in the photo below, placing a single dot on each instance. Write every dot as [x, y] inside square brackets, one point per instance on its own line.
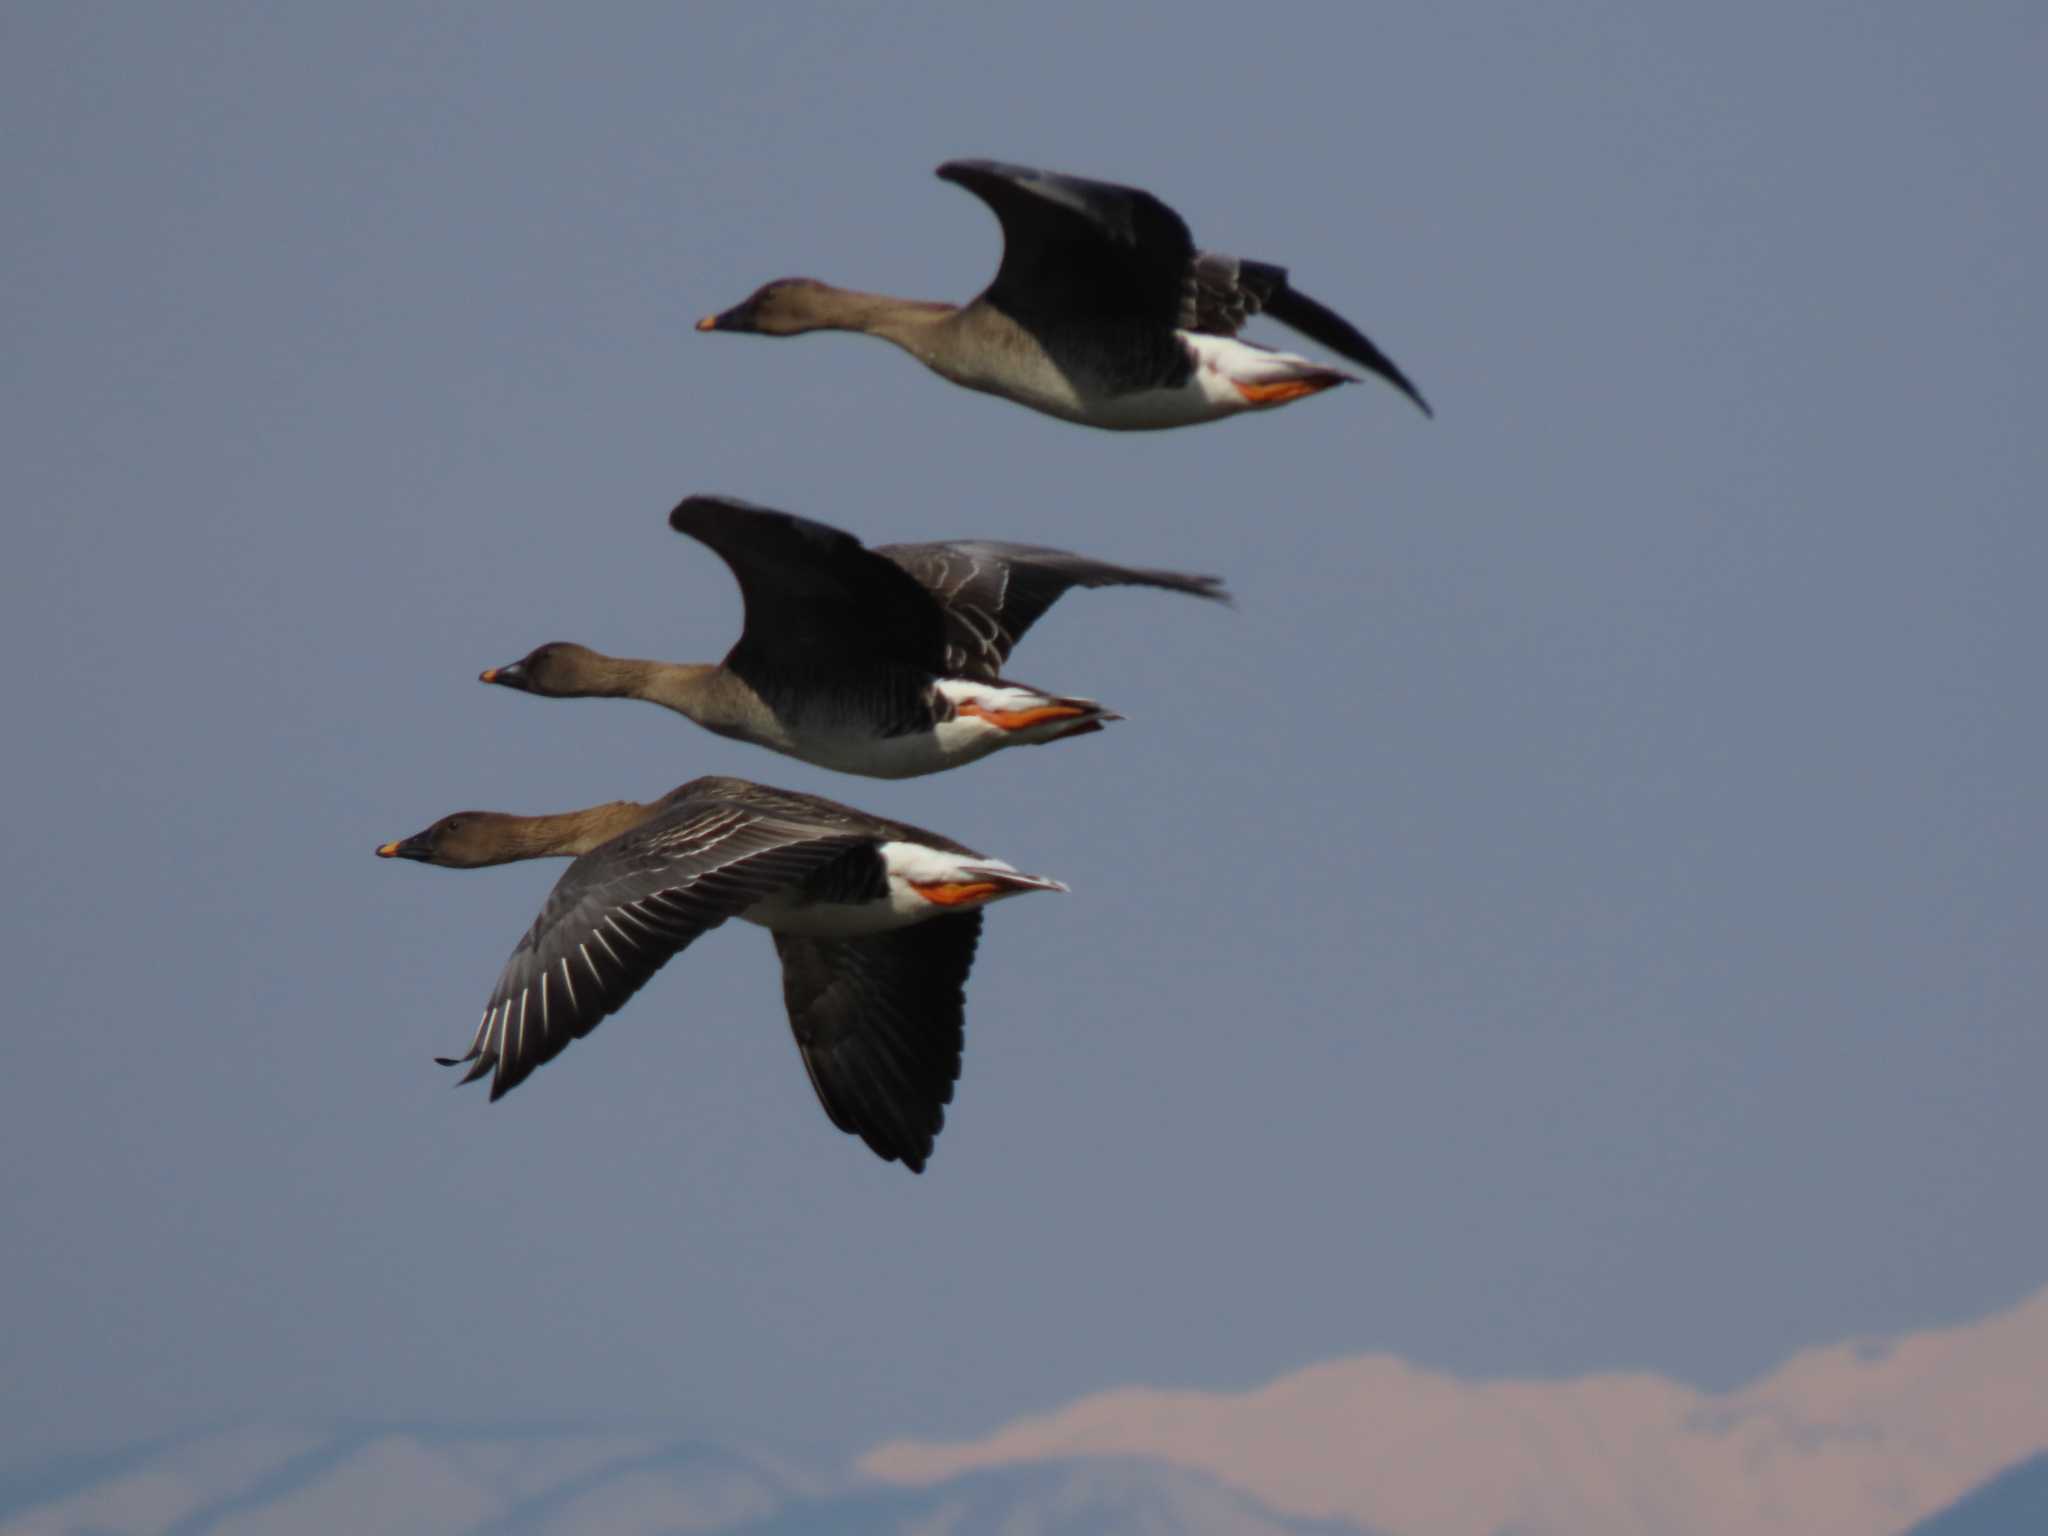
[570, 833]
[904, 321]
[694, 688]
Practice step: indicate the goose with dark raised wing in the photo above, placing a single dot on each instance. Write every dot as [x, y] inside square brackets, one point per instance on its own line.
[1102, 312]
[884, 662]
[875, 921]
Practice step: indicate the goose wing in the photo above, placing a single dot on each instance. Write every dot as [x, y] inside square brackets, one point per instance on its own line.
[1222, 292]
[993, 592]
[817, 599]
[622, 910]
[1079, 250]
[879, 1021]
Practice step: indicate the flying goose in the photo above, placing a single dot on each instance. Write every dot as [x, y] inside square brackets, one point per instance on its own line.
[1102, 312]
[884, 662]
[875, 921]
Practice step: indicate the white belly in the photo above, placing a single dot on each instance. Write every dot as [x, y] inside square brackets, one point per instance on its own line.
[901, 757]
[1212, 391]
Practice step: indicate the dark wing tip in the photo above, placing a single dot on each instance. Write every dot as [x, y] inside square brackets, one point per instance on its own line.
[695, 512]
[1291, 307]
[985, 178]
[479, 1063]
[995, 182]
[708, 518]
[966, 172]
[1121, 214]
[1401, 381]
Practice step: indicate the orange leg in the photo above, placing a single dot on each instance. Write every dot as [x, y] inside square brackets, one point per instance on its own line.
[944, 893]
[1286, 389]
[1018, 719]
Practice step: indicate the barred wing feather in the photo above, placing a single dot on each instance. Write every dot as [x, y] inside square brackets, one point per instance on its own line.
[620, 913]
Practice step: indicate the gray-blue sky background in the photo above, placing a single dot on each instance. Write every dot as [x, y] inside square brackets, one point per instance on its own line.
[1583, 909]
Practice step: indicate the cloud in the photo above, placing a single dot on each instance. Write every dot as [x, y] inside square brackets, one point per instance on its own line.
[1857, 1439]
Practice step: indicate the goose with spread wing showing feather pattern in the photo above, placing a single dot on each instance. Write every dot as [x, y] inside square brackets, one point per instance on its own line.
[1102, 312]
[884, 662]
[875, 921]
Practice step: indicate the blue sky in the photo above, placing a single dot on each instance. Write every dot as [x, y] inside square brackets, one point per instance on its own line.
[1582, 909]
